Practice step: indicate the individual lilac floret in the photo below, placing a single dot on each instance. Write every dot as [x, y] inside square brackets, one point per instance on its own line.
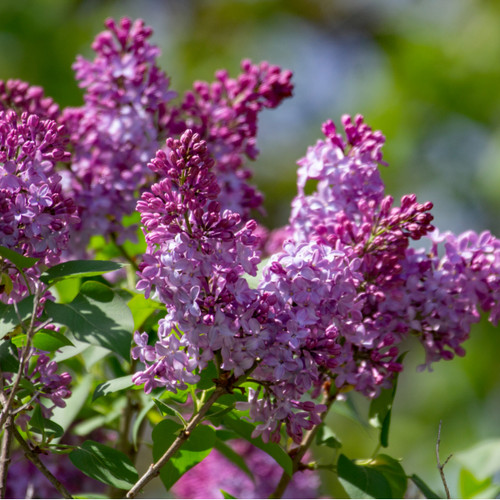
[35, 216]
[194, 265]
[206, 481]
[225, 114]
[115, 133]
[23, 97]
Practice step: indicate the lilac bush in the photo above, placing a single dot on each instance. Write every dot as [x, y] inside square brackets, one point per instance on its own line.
[232, 337]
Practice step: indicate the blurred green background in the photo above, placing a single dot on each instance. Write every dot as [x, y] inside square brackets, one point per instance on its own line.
[425, 72]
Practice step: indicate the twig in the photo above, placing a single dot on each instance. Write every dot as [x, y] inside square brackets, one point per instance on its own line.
[6, 410]
[224, 386]
[5, 456]
[298, 453]
[33, 457]
[439, 465]
[154, 469]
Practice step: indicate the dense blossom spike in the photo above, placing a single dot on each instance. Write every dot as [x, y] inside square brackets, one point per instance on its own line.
[22, 97]
[115, 133]
[225, 114]
[35, 216]
[196, 259]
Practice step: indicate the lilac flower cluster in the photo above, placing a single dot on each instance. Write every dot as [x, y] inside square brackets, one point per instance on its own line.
[197, 256]
[205, 480]
[22, 97]
[35, 216]
[115, 133]
[333, 305]
[46, 384]
[224, 113]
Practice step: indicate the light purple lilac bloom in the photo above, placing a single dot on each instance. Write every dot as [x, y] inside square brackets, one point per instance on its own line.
[116, 132]
[196, 259]
[333, 304]
[225, 114]
[216, 473]
[35, 216]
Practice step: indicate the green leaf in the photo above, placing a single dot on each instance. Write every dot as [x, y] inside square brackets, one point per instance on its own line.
[104, 464]
[9, 361]
[481, 460]
[326, 437]
[225, 494]
[422, 486]
[115, 385]
[138, 422]
[245, 429]
[20, 261]
[192, 452]
[78, 269]
[362, 482]
[41, 425]
[49, 340]
[392, 471]
[9, 318]
[90, 424]
[381, 409]
[207, 377]
[97, 316]
[470, 487]
[232, 456]
[168, 410]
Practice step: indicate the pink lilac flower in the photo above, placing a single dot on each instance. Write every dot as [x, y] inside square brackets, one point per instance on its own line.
[205, 480]
[22, 97]
[197, 256]
[225, 114]
[115, 133]
[35, 216]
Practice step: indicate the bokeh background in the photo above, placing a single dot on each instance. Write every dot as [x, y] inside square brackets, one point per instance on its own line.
[425, 72]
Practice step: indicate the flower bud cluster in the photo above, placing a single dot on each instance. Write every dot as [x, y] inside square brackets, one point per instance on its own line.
[35, 216]
[23, 97]
[225, 114]
[115, 133]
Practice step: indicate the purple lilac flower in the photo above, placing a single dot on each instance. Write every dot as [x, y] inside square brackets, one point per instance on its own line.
[48, 386]
[115, 133]
[35, 216]
[205, 480]
[224, 113]
[23, 97]
[197, 255]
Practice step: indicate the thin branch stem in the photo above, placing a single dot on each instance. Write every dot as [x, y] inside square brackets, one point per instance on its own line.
[224, 386]
[439, 465]
[33, 457]
[6, 410]
[154, 469]
[5, 456]
[297, 454]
